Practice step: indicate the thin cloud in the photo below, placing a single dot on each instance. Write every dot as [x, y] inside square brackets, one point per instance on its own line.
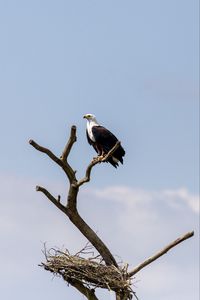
[182, 195]
[134, 197]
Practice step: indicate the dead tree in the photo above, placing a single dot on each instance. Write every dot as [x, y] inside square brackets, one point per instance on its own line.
[102, 271]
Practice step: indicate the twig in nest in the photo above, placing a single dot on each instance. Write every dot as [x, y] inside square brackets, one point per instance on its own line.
[86, 250]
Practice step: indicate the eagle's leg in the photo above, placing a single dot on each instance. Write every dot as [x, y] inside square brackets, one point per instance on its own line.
[97, 157]
[100, 152]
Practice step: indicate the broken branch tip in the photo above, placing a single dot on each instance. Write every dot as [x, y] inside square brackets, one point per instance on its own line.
[37, 188]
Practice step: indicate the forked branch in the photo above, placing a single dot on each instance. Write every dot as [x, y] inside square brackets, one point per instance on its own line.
[64, 165]
[70, 209]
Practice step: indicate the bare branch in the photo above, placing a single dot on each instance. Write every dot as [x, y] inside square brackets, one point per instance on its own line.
[71, 141]
[84, 228]
[88, 172]
[95, 161]
[55, 201]
[64, 165]
[88, 293]
[46, 151]
[160, 253]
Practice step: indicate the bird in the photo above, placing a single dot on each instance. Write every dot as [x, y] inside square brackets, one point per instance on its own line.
[103, 140]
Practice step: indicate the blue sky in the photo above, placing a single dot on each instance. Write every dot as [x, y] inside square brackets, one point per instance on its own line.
[134, 64]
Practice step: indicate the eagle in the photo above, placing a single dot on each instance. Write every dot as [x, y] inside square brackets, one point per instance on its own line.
[103, 140]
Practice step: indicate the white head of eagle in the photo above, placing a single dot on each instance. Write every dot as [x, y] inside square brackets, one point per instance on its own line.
[103, 140]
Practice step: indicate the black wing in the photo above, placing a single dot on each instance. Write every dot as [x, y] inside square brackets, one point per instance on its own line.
[104, 137]
[107, 140]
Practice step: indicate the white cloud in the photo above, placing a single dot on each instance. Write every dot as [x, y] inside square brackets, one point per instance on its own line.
[137, 197]
[182, 195]
[151, 217]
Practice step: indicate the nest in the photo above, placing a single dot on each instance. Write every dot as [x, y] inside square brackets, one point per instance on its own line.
[91, 272]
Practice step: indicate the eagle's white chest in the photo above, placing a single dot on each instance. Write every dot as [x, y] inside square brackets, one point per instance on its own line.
[89, 130]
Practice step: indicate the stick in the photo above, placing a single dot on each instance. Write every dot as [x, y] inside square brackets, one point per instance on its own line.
[71, 141]
[160, 253]
[51, 198]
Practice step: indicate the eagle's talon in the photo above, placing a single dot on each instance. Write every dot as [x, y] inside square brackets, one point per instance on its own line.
[96, 159]
[100, 157]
